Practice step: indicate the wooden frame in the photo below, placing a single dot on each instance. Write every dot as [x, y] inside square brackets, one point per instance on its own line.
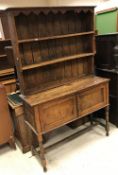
[49, 110]
[38, 47]
[7, 76]
[54, 51]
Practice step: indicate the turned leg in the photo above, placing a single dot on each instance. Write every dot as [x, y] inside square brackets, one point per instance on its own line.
[40, 139]
[41, 153]
[12, 142]
[107, 120]
[42, 156]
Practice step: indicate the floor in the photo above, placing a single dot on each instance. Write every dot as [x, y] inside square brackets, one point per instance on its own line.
[91, 153]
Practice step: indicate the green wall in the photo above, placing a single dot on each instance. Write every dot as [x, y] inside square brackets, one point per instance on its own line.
[106, 22]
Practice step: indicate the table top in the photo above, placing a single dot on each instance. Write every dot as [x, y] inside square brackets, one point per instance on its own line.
[69, 88]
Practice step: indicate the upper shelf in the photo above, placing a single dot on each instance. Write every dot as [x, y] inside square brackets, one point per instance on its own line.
[3, 55]
[5, 72]
[4, 40]
[58, 60]
[55, 37]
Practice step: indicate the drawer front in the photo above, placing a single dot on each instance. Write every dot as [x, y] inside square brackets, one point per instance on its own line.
[92, 99]
[56, 113]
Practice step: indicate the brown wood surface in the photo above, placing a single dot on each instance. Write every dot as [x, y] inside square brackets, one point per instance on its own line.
[63, 59]
[10, 85]
[21, 130]
[57, 112]
[6, 58]
[92, 99]
[55, 37]
[7, 75]
[75, 86]
[44, 37]
[53, 109]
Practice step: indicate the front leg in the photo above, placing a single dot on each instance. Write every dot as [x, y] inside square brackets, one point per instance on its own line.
[42, 156]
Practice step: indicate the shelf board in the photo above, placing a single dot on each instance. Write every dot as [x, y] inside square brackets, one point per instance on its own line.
[78, 85]
[4, 40]
[6, 72]
[10, 81]
[55, 37]
[3, 55]
[58, 60]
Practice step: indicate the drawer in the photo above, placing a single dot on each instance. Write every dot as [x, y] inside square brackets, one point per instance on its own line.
[55, 113]
[92, 99]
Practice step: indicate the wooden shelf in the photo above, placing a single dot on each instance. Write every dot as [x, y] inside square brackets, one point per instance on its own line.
[58, 60]
[55, 37]
[1, 56]
[10, 81]
[69, 88]
[6, 72]
[4, 40]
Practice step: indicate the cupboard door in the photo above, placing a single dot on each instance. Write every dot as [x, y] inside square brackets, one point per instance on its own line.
[92, 99]
[58, 112]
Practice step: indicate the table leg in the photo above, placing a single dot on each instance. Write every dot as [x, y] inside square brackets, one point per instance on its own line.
[107, 120]
[42, 156]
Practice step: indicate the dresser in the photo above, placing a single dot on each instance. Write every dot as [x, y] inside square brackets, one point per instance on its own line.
[7, 76]
[105, 67]
[20, 129]
[54, 50]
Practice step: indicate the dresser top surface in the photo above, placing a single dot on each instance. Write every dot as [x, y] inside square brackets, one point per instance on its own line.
[25, 10]
[68, 89]
[46, 7]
